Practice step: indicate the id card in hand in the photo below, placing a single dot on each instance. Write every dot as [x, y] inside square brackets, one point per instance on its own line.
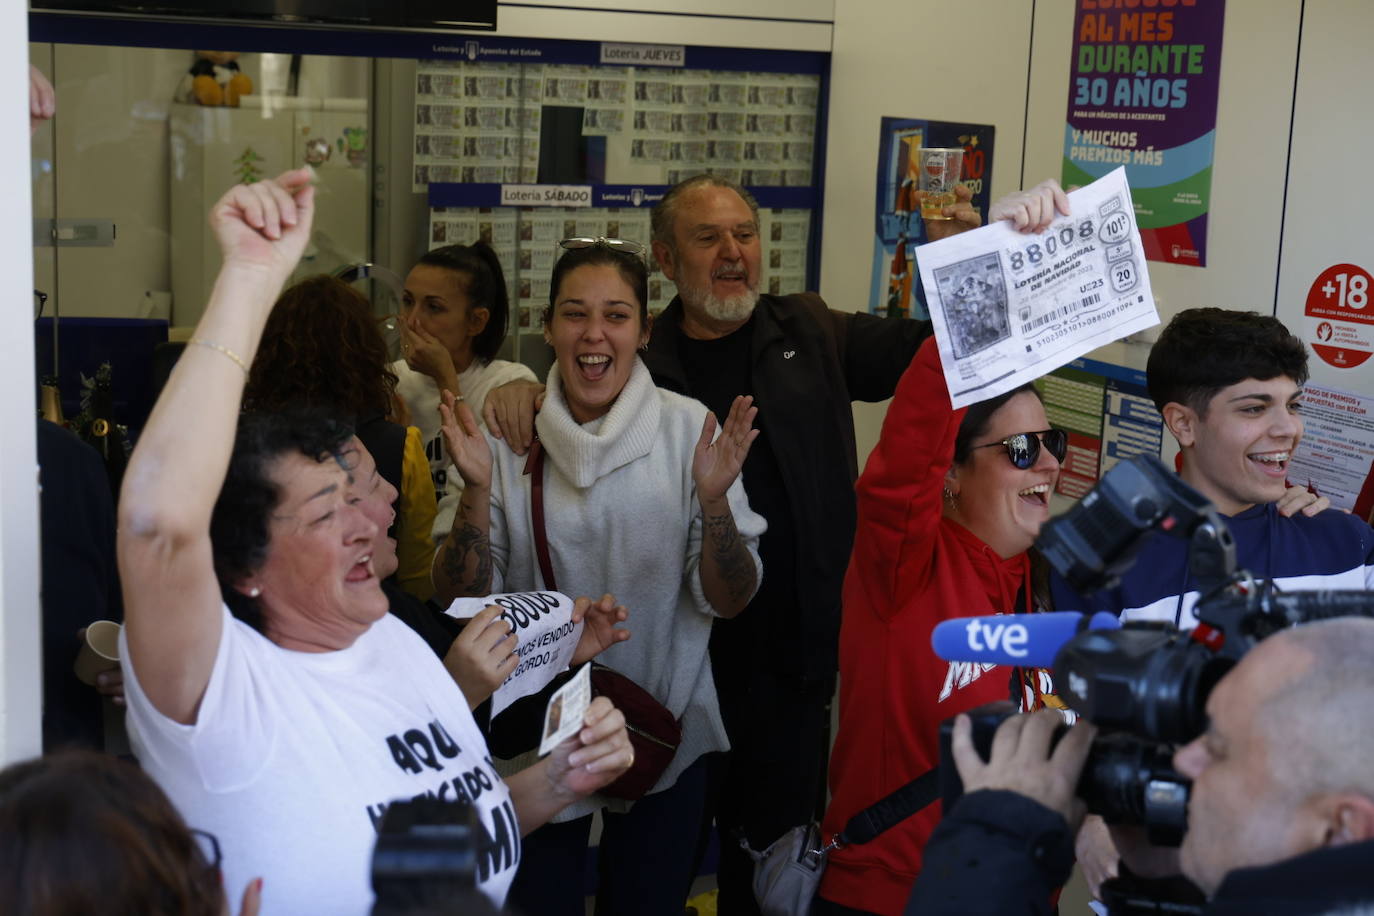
[564, 714]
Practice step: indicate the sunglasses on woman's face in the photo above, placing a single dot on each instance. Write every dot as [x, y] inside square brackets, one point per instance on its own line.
[588, 241]
[1023, 449]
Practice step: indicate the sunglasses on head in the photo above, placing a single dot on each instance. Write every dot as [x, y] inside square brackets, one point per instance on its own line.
[1023, 449]
[587, 241]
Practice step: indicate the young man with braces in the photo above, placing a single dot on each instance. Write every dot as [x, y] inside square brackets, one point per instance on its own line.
[1229, 387]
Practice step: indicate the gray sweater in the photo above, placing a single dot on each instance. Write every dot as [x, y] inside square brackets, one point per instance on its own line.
[622, 516]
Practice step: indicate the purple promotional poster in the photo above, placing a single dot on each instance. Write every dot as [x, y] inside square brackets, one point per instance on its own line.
[1143, 94]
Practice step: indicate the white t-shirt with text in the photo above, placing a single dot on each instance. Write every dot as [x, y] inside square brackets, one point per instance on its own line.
[295, 756]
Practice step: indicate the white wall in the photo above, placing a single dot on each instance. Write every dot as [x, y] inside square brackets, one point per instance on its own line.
[717, 23]
[814, 10]
[1330, 198]
[20, 656]
[882, 67]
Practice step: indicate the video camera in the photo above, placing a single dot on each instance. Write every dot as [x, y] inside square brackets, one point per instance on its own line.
[1144, 684]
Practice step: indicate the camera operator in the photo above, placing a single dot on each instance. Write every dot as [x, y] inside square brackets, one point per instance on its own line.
[1281, 816]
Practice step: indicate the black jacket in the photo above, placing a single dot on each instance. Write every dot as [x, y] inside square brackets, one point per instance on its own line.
[996, 853]
[808, 364]
[1000, 853]
[1320, 882]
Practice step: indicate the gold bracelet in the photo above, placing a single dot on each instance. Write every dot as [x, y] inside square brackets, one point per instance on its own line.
[238, 360]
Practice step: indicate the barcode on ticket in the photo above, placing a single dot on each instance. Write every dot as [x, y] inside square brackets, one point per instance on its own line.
[1063, 311]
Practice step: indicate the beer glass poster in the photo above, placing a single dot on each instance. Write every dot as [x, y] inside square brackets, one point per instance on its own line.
[895, 289]
[1143, 94]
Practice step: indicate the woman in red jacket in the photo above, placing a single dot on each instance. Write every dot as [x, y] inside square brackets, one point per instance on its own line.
[949, 503]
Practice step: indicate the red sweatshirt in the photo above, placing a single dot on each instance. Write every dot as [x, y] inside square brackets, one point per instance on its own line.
[911, 568]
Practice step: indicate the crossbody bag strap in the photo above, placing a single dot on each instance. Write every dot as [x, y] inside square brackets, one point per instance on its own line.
[534, 466]
[891, 810]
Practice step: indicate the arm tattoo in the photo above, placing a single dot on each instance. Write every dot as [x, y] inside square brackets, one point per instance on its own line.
[468, 545]
[731, 557]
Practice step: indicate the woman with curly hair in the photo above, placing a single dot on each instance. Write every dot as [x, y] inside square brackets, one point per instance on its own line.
[321, 348]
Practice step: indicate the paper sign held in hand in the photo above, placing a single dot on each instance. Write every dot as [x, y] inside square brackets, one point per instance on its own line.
[567, 707]
[547, 638]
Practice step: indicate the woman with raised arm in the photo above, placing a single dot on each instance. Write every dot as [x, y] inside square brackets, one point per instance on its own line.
[269, 692]
[949, 502]
[639, 500]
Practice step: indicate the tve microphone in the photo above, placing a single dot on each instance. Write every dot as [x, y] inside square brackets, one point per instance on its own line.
[1014, 639]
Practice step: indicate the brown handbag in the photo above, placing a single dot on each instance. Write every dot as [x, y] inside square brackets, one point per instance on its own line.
[653, 731]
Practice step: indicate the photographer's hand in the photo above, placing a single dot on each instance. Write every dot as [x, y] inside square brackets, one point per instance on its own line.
[1021, 762]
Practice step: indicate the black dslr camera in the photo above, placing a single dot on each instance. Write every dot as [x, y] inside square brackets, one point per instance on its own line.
[1146, 685]
[426, 857]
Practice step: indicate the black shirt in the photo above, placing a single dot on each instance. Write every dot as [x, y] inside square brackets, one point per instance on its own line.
[717, 372]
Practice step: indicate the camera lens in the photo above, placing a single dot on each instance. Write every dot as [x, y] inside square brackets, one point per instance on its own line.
[1129, 781]
[1149, 680]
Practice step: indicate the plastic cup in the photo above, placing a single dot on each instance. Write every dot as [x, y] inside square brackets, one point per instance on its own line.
[939, 173]
[99, 651]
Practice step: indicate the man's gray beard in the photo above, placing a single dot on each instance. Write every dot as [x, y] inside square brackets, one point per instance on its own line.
[728, 310]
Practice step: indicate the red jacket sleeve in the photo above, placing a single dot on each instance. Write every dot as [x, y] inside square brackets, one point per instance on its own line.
[900, 490]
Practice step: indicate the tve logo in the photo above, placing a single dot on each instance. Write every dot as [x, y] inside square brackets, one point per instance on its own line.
[989, 637]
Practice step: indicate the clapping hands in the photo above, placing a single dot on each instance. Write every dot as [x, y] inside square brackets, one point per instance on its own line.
[600, 631]
[467, 446]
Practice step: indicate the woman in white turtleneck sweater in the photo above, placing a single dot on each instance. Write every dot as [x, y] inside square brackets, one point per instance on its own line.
[639, 502]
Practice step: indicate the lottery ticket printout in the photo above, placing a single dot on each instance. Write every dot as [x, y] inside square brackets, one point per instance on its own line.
[1008, 307]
